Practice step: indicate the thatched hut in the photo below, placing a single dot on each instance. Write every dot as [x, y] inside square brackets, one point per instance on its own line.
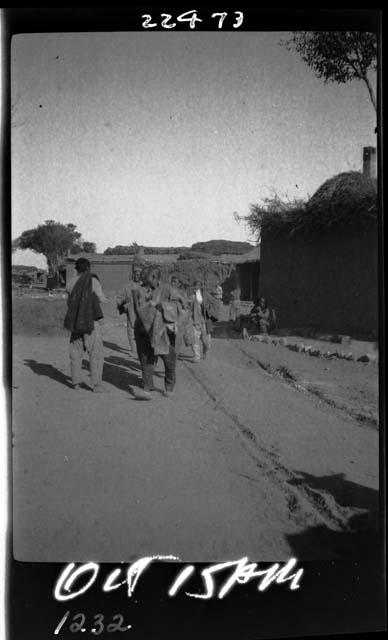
[319, 261]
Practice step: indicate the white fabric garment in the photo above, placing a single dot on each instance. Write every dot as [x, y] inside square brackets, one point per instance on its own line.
[198, 296]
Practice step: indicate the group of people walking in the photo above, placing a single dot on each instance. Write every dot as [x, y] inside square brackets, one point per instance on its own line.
[161, 318]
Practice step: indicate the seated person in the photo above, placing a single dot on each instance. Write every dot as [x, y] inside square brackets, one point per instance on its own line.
[217, 292]
[261, 315]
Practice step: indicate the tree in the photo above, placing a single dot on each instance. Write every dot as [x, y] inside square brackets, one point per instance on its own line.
[271, 209]
[338, 56]
[83, 247]
[124, 250]
[89, 247]
[52, 239]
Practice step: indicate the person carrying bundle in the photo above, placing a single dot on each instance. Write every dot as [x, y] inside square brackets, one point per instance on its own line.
[155, 330]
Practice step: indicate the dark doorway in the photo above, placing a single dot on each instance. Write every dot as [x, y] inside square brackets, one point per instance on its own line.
[248, 276]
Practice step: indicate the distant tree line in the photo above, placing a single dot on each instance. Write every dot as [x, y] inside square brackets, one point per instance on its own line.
[55, 241]
[212, 247]
[124, 250]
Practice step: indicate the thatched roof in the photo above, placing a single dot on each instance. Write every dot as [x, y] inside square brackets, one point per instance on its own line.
[346, 196]
[348, 199]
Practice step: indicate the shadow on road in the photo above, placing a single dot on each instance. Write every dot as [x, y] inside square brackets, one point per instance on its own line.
[114, 347]
[119, 377]
[113, 373]
[123, 362]
[43, 369]
[185, 358]
[362, 537]
[345, 492]
[361, 542]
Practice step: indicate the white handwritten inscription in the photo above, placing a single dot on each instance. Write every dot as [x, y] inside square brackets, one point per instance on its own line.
[235, 19]
[74, 581]
[79, 624]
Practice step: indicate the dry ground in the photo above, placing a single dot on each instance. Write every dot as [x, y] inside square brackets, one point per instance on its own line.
[239, 462]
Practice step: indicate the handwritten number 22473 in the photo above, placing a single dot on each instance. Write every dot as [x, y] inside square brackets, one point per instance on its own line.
[192, 18]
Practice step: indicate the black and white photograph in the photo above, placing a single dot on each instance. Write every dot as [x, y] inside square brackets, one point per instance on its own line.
[195, 240]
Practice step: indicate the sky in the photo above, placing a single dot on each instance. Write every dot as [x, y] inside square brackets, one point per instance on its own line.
[158, 138]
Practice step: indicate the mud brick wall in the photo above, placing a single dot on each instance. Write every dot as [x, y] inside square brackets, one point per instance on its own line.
[113, 277]
[326, 281]
[209, 273]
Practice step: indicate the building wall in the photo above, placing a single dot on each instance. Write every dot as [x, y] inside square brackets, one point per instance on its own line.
[208, 272]
[113, 277]
[324, 281]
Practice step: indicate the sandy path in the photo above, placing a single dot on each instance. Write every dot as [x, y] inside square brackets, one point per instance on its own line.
[236, 464]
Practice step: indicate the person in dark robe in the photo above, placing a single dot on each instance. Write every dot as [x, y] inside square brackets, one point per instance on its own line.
[82, 320]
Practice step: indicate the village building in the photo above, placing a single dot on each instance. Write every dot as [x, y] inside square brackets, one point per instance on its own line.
[113, 271]
[319, 264]
[229, 270]
[27, 275]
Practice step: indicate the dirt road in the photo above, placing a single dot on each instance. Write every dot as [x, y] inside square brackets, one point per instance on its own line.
[237, 463]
